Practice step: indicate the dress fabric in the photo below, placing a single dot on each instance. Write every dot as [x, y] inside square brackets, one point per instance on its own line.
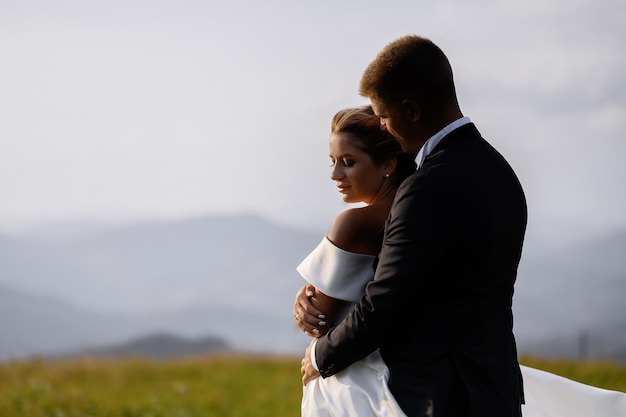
[362, 390]
[550, 395]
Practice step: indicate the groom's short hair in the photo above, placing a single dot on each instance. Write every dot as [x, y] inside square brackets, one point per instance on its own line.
[411, 67]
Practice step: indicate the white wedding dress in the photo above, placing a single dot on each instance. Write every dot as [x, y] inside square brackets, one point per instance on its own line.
[361, 389]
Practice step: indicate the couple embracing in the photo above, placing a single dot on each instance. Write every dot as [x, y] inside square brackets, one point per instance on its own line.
[409, 297]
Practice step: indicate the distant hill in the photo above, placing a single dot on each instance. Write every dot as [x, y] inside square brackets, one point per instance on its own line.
[234, 278]
[570, 301]
[33, 324]
[42, 326]
[225, 276]
[159, 346]
[235, 262]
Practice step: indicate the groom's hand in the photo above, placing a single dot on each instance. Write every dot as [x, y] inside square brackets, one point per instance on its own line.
[307, 369]
[308, 318]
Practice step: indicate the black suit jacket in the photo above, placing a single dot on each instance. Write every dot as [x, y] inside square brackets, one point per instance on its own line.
[439, 306]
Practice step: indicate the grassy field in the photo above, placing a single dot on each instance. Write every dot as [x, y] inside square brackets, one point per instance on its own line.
[239, 386]
[224, 386]
[605, 375]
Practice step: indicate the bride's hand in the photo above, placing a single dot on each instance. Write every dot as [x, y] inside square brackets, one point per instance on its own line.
[307, 370]
[308, 318]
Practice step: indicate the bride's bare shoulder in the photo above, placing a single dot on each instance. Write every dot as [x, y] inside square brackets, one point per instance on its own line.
[356, 230]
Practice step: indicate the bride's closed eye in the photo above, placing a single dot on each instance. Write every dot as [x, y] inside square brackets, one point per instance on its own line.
[345, 162]
[348, 162]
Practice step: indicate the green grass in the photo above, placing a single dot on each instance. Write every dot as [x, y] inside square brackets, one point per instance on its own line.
[605, 375]
[224, 386]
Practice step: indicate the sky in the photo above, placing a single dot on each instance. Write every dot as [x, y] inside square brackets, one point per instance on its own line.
[122, 111]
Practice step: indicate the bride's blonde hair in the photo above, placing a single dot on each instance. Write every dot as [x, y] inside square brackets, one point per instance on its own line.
[366, 134]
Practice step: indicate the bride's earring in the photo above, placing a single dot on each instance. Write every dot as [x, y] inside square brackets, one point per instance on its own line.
[387, 175]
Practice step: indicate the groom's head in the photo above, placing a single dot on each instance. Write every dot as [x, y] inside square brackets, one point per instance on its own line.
[411, 88]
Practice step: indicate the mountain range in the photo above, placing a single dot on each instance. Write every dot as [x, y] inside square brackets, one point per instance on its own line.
[233, 279]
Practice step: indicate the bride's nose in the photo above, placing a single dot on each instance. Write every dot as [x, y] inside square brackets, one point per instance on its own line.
[337, 172]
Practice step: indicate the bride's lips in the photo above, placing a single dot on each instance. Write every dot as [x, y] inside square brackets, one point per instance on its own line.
[342, 188]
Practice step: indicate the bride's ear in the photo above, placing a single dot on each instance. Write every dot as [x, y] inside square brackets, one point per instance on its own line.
[389, 166]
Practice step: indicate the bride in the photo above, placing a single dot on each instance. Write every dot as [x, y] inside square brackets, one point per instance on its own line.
[367, 166]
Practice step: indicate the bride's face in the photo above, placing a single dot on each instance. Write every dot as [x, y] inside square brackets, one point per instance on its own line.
[357, 177]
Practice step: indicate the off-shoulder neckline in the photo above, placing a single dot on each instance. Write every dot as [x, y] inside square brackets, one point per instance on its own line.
[328, 241]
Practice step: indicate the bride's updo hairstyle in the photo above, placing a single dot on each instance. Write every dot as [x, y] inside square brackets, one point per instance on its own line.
[366, 134]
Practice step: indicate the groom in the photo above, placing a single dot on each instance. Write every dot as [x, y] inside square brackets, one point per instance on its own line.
[439, 306]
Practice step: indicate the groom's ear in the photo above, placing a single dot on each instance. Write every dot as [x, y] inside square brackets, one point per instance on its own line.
[412, 108]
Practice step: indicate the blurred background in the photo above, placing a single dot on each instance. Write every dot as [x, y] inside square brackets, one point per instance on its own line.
[164, 165]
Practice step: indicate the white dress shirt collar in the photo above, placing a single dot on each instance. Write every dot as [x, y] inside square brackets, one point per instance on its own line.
[434, 140]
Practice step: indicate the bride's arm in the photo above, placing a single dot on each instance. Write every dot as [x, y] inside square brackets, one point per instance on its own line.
[313, 310]
[354, 230]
